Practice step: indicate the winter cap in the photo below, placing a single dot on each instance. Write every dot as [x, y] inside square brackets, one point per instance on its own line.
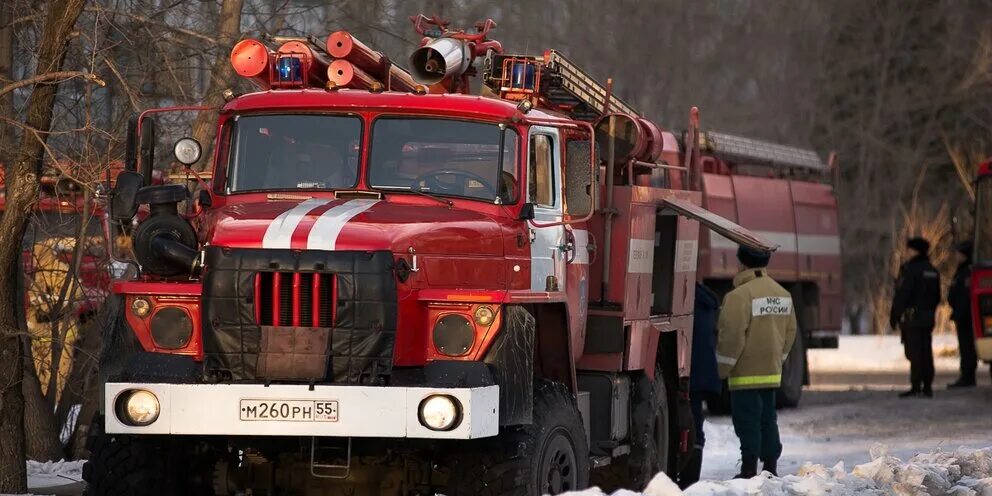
[753, 258]
[919, 244]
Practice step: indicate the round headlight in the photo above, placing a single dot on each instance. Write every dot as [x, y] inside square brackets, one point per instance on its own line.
[140, 408]
[484, 316]
[140, 307]
[440, 413]
[454, 335]
[171, 328]
[187, 151]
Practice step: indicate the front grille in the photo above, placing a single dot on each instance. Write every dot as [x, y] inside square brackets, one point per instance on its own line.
[262, 308]
[295, 299]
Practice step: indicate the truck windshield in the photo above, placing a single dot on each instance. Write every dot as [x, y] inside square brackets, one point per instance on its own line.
[983, 221]
[444, 157]
[280, 152]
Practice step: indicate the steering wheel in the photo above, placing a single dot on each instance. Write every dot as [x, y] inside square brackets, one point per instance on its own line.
[431, 178]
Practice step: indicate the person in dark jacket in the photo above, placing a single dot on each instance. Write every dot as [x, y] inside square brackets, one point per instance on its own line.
[959, 298]
[704, 377]
[914, 308]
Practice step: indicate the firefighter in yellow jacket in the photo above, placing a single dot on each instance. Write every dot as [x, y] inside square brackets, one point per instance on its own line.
[757, 327]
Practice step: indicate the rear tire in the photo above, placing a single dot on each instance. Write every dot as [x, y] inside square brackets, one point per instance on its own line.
[793, 375]
[650, 443]
[550, 456]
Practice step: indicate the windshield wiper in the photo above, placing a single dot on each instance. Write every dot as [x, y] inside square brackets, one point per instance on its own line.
[421, 192]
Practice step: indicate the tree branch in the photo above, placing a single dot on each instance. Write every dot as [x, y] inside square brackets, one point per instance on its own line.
[49, 77]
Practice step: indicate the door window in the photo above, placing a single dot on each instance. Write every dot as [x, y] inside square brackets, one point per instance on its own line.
[541, 177]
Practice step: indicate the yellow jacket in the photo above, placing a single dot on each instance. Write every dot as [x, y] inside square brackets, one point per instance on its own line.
[757, 327]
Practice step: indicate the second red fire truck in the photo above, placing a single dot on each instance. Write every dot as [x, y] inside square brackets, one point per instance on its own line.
[392, 286]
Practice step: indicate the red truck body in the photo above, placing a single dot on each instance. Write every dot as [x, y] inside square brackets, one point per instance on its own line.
[785, 195]
[981, 274]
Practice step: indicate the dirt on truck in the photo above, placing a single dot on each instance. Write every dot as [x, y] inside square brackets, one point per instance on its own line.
[391, 286]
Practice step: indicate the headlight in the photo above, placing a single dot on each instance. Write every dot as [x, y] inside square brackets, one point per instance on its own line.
[440, 413]
[171, 328]
[140, 307]
[138, 408]
[454, 335]
[484, 316]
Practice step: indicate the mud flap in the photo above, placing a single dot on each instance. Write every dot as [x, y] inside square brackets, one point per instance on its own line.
[686, 426]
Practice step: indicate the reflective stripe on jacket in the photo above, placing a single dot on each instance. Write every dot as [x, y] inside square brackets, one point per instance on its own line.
[757, 327]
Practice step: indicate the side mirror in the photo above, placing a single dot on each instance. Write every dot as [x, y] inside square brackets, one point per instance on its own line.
[187, 151]
[578, 179]
[147, 145]
[527, 211]
[123, 202]
[131, 145]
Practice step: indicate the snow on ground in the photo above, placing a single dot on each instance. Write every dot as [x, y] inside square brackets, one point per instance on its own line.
[879, 354]
[963, 472]
[56, 478]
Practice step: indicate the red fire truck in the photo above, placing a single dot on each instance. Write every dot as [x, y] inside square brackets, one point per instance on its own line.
[981, 275]
[393, 286]
[785, 195]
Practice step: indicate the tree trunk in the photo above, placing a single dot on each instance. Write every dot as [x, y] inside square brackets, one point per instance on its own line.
[221, 77]
[6, 71]
[21, 195]
[41, 430]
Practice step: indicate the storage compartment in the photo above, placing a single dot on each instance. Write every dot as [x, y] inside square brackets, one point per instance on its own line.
[609, 407]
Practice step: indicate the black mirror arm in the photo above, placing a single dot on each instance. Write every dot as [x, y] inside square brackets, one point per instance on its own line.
[527, 211]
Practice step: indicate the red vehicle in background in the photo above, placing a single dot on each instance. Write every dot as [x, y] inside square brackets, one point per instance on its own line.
[49, 244]
[785, 195]
[981, 273]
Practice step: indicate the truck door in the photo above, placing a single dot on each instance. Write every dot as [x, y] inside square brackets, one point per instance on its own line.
[544, 192]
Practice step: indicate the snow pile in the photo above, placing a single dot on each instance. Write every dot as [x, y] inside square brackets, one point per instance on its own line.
[965, 472]
[53, 474]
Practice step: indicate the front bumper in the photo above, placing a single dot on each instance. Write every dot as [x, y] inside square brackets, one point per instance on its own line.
[362, 411]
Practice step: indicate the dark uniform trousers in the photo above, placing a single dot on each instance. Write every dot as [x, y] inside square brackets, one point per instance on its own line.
[966, 344]
[918, 345]
[756, 423]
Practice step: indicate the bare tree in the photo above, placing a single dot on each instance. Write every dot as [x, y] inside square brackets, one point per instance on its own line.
[21, 192]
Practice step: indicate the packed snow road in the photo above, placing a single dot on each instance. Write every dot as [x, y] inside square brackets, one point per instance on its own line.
[850, 409]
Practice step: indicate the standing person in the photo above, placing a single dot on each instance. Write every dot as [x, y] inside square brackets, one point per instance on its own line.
[757, 327]
[959, 298]
[704, 378]
[914, 307]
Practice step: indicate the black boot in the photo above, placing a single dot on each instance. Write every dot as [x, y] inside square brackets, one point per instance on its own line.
[963, 382]
[927, 391]
[749, 468]
[770, 466]
[912, 393]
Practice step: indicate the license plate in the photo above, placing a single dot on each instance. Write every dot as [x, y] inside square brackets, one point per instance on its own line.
[290, 410]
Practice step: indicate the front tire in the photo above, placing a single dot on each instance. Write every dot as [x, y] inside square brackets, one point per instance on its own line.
[121, 465]
[124, 466]
[550, 456]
